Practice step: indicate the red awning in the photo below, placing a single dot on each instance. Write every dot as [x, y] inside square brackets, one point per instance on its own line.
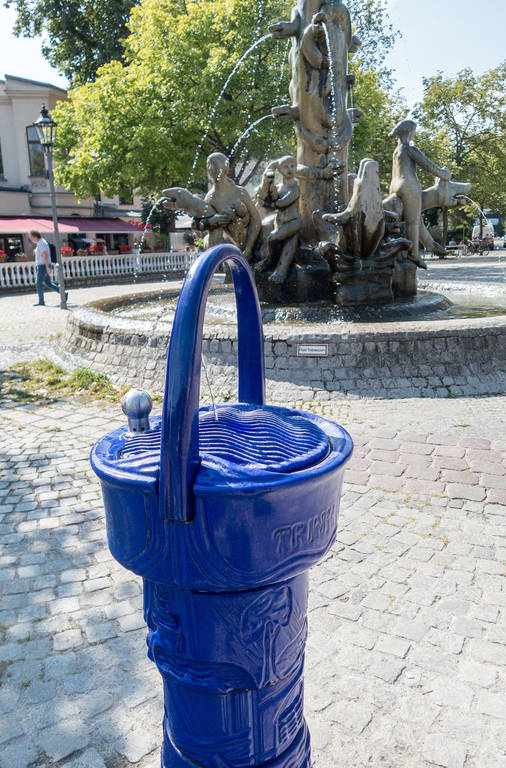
[67, 225]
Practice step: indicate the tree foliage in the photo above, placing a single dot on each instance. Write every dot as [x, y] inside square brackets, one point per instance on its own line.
[463, 122]
[382, 109]
[81, 35]
[141, 122]
[162, 219]
[372, 26]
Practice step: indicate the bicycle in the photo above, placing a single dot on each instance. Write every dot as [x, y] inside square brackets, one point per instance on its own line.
[477, 248]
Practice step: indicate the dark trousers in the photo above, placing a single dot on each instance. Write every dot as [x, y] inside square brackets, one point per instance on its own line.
[42, 280]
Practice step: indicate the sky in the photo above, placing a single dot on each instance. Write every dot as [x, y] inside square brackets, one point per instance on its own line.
[445, 35]
[21, 56]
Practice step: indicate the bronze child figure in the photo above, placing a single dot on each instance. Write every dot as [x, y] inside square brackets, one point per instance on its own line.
[284, 199]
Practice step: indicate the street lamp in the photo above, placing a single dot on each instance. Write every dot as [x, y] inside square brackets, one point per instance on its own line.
[46, 130]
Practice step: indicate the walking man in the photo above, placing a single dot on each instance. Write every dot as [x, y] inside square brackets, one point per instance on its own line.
[42, 260]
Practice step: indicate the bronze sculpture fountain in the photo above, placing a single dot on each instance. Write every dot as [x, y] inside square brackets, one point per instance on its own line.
[320, 234]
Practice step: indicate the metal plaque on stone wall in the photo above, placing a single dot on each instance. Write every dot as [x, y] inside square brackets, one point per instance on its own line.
[312, 350]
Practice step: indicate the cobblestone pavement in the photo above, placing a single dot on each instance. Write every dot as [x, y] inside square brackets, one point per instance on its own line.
[406, 658]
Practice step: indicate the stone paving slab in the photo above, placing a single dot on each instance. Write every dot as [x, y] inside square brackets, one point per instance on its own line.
[406, 657]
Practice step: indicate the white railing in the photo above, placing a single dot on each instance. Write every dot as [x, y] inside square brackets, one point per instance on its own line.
[14, 274]
[24, 273]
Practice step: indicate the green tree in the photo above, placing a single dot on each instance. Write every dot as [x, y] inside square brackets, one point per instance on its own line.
[81, 35]
[382, 109]
[162, 219]
[463, 122]
[372, 26]
[140, 123]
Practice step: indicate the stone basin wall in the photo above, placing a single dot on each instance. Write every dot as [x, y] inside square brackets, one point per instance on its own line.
[446, 358]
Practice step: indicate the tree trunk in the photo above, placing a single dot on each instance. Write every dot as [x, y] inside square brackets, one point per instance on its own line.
[445, 227]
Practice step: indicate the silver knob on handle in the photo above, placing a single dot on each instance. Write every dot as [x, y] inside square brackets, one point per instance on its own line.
[137, 405]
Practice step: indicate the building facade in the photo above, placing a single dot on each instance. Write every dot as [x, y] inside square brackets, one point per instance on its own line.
[25, 201]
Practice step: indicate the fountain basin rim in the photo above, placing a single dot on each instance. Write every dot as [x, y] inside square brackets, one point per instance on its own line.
[96, 315]
[354, 360]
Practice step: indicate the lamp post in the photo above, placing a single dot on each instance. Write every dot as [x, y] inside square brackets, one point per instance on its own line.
[46, 130]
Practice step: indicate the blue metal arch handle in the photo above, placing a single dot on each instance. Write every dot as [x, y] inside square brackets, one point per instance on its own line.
[179, 459]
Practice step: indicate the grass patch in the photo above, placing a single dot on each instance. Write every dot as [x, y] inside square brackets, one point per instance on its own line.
[42, 381]
[86, 380]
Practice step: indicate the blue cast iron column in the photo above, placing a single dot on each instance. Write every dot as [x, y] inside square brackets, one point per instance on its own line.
[223, 513]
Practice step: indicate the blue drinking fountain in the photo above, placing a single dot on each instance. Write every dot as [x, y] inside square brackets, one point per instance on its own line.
[223, 512]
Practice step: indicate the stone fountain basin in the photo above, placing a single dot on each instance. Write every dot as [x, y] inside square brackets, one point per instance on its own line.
[305, 361]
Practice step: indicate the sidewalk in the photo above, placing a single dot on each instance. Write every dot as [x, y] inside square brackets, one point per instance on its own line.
[22, 322]
[472, 269]
[406, 657]
[406, 654]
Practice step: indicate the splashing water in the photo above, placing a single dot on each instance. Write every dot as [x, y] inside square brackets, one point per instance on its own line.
[253, 69]
[246, 133]
[351, 162]
[148, 222]
[280, 83]
[260, 16]
[210, 388]
[218, 100]
[333, 112]
[352, 149]
[265, 117]
[349, 92]
[465, 197]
